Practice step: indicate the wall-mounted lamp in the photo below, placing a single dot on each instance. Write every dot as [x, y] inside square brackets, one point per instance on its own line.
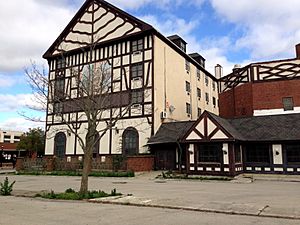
[191, 152]
[69, 133]
[277, 153]
[225, 152]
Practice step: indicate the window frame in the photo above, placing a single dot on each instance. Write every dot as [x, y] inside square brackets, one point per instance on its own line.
[187, 66]
[64, 137]
[210, 158]
[137, 45]
[288, 103]
[198, 92]
[127, 131]
[137, 70]
[295, 148]
[137, 97]
[256, 156]
[188, 108]
[187, 86]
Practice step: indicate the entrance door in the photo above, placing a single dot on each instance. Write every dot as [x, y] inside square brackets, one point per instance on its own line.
[165, 160]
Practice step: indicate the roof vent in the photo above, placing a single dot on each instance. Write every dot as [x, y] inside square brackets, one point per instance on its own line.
[236, 67]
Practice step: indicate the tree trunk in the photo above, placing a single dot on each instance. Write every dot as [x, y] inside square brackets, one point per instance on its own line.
[87, 161]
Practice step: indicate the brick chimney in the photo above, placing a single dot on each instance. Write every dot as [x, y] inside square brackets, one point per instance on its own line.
[298, 51]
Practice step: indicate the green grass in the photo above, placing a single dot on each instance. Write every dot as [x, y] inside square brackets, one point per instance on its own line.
[76, 173]
[70, 194]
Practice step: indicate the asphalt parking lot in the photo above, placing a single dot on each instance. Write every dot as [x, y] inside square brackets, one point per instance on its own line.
[261, 201]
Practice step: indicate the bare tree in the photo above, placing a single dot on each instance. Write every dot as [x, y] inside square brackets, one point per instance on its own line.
[93, 99]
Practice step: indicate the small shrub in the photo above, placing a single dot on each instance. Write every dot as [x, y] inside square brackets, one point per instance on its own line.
[6, 188]
[70, 190]
[70, 194]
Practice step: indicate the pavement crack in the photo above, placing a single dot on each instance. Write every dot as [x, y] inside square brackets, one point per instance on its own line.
[262, 210]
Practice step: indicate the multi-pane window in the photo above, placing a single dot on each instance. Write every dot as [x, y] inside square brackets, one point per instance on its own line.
[258, 153]
[198, 74]
[214, 101]
[137, 97]
[206, 97]
[288, 103]
[210, 153]
[187, 65]
[137, 70]
[198, 92]
[292, 153]
[188, 108]
[60, 145]
[187, 86]
[206, 80]
[137, 45]
[57, 107]
[130, 142]
[199, 112]
[60, 63]
[59, 89]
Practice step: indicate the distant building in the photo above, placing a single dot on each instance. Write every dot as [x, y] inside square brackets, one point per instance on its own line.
[7, 136]
[8, 145]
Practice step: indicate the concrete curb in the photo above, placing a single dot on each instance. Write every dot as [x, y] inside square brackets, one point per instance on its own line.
[195, 209]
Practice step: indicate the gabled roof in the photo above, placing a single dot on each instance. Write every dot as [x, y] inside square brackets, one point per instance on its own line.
[105, 15]
[170, 132]
[210, 127]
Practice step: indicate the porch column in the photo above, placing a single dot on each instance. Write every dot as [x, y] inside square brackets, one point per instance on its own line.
[277, 158]
[225, 150]
[191, 151]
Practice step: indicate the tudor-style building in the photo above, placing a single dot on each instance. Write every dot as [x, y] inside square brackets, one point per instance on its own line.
[151, 72]
[257, 131]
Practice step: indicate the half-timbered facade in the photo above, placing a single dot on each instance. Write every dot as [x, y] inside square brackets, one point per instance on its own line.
[150, 75]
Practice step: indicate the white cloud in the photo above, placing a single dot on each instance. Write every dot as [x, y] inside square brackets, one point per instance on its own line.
[12, 103]
[28, 28]
[270, 28]
[20, 124]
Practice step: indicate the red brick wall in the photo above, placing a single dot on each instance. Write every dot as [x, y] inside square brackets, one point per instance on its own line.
[236, 102]
[226, 104]
[268, 95]
[140, 163]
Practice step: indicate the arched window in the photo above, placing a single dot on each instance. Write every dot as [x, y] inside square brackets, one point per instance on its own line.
[130, 141]
[60, 145]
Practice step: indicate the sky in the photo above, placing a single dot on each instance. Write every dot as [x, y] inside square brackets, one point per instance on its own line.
[225, 32]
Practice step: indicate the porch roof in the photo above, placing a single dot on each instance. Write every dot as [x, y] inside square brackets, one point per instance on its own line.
[268, 128]
[170, 132]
